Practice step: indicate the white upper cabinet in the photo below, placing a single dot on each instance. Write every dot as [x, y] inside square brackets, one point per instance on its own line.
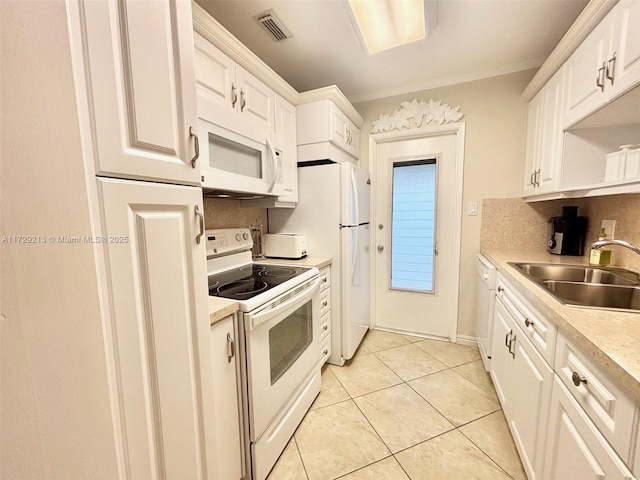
[606, 64]
[139, 75]
[324, 131]
[626, 65]
[544, 141]
[231, 97]
[587, 72]
[284, 139]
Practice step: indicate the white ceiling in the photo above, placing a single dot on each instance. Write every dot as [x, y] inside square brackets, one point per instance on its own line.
[473, 39]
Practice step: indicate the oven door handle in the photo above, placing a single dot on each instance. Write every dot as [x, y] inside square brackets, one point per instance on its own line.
[270, 312]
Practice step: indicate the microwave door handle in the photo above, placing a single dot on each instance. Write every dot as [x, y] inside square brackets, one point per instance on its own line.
[274, 166]
[268, 313]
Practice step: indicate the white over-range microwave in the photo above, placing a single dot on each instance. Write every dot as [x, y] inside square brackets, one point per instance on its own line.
[230, 162]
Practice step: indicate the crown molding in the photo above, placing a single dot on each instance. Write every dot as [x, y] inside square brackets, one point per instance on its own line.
[213, 31]
[590, 17]
[334, 94]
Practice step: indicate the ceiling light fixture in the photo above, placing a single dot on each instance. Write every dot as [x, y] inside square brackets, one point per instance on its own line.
[385, 24]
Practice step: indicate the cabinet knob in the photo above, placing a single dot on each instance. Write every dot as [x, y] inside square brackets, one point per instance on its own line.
[324, 279]
[380, 248]
[325, 351]
[577, 379]
[528, 323]
[500, 289]
[325, 328]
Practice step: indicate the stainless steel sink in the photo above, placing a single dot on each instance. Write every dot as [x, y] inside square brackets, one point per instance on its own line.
[579, 273]
[617, 297]
[586, 286]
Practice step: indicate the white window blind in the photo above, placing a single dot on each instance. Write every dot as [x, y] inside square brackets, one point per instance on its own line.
[413, 220]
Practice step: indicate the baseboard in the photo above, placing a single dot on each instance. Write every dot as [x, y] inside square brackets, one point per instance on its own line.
[467, 340]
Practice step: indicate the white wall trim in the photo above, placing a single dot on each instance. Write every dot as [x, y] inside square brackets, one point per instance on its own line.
[468, 340]
[458, 129]
[591, 16]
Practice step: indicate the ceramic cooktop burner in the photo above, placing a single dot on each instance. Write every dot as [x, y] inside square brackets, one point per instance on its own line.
[250, 280]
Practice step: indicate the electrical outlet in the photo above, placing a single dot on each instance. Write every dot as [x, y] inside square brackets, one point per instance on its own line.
[609, 228]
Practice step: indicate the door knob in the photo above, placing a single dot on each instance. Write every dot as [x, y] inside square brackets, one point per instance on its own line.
[380, 248]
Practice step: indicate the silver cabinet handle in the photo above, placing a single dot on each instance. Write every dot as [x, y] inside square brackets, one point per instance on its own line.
[507, 343]
[536, 177]
[201, 217]
[192, 133]
[528, 323]
[577, 379]
[531, 179]
[234, 96]
[611, 67]
[511, 343]
[600, 77]
[243, 101]
[231, 348]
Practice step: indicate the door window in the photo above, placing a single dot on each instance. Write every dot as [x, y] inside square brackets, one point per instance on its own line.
[289, 339]
[413, 223]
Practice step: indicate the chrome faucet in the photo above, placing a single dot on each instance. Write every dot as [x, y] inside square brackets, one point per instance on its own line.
[622, 243]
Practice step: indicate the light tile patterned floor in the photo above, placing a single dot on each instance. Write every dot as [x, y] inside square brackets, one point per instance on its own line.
[404, 408]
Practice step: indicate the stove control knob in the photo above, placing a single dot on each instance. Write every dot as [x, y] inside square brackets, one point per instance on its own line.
[238, 236]
[245, 236]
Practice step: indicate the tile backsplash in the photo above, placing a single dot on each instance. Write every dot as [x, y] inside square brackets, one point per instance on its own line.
[512, 223]
[229, 213]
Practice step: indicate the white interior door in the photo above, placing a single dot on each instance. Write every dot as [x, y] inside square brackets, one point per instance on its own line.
[415, 231]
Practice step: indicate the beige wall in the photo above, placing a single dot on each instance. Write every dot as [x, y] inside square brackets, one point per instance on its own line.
[495, 116]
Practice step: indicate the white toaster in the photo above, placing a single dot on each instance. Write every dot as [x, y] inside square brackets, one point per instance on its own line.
[285, 245]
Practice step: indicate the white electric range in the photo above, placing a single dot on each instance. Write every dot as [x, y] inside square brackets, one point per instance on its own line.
[280, 336]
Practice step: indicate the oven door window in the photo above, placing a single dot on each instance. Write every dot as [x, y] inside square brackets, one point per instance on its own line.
[289, 339]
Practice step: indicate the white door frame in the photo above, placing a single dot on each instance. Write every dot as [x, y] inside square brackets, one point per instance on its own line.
[429, 131]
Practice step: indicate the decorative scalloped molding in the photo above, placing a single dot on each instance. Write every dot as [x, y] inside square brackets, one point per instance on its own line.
[588, 19]
[422, 113]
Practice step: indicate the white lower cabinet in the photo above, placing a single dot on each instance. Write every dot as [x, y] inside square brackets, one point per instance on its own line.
[523, 382]
[576, 450]
[569, 422]
[158, 329]
[227, 400]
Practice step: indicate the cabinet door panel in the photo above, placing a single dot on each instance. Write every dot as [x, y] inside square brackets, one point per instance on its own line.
[256, 102]
[216, 82]
[159, 328]
[552, 135]
[229, 427]
[627, 45]
[583, 94]
[533, 144]
[531, 381]
[575, 448]
[339, 124]
[500, 356]
[140, 82]
[284, 139]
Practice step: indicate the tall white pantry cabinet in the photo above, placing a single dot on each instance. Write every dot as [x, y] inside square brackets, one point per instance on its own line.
[106, 353]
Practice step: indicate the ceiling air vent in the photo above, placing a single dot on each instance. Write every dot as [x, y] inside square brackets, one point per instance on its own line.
[271, 24]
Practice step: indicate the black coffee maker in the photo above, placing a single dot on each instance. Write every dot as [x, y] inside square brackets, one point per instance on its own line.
[567, 233]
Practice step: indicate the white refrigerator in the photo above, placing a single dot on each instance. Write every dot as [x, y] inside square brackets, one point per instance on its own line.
[333, 211]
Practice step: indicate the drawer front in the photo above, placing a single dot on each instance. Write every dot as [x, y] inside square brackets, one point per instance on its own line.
[607, 406]
[325, 302]
[325, 325]
[536, 327]
[325, 350]
[325, 278]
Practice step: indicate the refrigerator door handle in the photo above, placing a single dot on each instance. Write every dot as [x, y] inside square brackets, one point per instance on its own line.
[354, 191]
[354, 255]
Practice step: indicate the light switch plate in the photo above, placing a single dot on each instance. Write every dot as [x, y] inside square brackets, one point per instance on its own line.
[472, 210]
[609, 228]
